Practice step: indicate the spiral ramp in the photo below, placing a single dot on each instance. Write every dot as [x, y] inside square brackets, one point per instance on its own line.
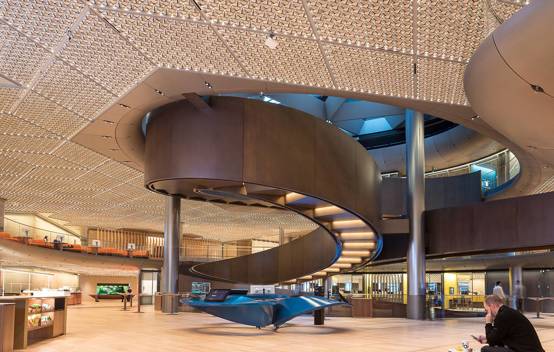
[258, 154]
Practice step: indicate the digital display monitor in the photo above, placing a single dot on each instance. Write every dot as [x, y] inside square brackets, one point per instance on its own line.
[217, 295]
[200, 288]
[111, 289]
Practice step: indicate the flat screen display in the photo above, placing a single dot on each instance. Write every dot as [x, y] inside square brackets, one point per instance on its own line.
[217, 295]
[111, 289]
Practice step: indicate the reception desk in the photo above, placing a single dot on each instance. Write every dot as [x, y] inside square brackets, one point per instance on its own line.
[74, 298]
[370, 308]
[37, 318]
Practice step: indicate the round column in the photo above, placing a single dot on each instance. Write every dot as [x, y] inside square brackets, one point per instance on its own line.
[172, 234]
[415, 172]
[516, 285]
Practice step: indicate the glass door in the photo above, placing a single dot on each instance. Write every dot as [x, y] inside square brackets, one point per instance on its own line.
[149, 282]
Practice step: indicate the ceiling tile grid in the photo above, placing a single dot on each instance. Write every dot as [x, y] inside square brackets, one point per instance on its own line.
[44, 21]
[98, 50]
[296, 60]
[175, 43]
[11, 125]
[440, 81]
[79, 155]
[10, 165]
[97, 181]
[350, 45]
[118, 171]
[450, 32]
[49, 115]
[63, 174]
[19, 57]
[372, 23]
[371, 71]
[71, 89]
[31, 144]
[8, 96]
[504, 9]
[277, 16]
[175, 9]
[42, 160]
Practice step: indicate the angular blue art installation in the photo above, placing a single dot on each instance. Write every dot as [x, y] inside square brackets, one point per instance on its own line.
[258, 310]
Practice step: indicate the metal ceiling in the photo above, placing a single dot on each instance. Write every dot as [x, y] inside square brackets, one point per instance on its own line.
[71, 60]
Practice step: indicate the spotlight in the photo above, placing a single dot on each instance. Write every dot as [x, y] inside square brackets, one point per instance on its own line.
[207, 84]
[270, 41]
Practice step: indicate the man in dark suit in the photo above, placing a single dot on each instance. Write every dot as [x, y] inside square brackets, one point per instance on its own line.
[507, 330]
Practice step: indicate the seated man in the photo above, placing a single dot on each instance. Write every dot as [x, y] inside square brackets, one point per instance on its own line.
[507, 329]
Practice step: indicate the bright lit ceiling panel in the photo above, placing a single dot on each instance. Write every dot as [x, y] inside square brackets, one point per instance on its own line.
[69, 60]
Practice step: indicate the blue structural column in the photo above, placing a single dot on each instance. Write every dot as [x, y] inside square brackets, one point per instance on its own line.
[415, 172]
[170, 270]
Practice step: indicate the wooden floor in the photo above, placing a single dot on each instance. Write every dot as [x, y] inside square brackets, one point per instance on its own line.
[104, 327]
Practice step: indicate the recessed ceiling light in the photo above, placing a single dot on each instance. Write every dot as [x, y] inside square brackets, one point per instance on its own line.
[106, 137]
[537, 88]
[208, 84]
[271, 41]
[159, 91]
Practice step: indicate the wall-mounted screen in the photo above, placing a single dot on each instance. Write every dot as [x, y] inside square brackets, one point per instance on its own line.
[111, 289]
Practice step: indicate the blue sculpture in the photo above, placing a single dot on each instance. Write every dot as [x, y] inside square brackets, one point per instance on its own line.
[258, 310]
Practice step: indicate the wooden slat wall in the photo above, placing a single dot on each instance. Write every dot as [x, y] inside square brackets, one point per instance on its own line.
[120, 238]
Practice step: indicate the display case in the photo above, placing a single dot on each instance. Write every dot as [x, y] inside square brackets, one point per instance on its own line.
[37, 318]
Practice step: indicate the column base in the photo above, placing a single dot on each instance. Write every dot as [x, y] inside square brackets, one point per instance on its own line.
[416, 307]
[170, 303]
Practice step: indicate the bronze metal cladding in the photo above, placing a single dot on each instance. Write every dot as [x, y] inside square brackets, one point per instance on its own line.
[238, 141]
[241, 140]
[521, 223]
[307, 254]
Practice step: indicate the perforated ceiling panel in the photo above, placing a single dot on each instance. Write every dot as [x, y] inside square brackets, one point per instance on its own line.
[72, 59]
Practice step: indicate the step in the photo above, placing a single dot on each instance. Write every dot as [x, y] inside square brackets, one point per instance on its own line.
[342, 265]
[367, 235]
[349, 260]
[348, 224]
[320, 273]
[359, 245]
[355, 253]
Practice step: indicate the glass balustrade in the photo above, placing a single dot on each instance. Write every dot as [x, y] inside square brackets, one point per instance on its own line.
[198, 250]
[497, 171]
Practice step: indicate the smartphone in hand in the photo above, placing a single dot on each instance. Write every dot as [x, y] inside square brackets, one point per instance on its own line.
[480, 339]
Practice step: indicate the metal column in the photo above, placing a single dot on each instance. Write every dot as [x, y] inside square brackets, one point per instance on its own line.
[516, 275]
[172, 235]
[415, 172]
[2, 204]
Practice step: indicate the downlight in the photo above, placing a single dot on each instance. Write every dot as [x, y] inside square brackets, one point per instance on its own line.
[271, 41]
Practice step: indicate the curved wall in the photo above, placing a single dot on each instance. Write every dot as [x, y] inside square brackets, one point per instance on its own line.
[498, 83]
[236, 141]
[307, 254]
[456, 146]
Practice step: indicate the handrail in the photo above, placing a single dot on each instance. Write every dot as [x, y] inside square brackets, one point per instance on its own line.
[200, 252]
[511, 171]
[26, 226]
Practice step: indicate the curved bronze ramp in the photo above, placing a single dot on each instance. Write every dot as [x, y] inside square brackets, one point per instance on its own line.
[252, 153]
